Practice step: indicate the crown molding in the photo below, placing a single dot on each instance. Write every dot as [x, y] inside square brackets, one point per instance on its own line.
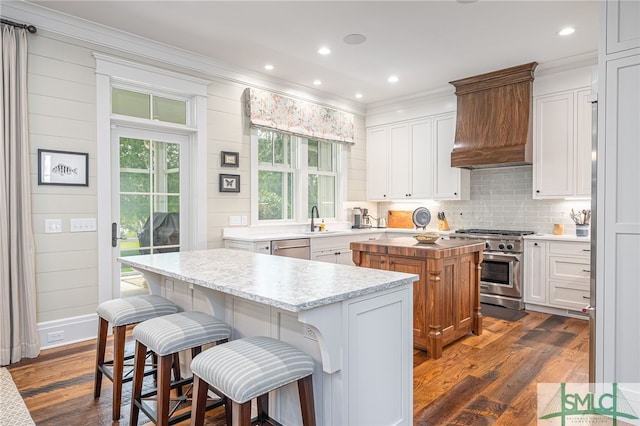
[66, 25]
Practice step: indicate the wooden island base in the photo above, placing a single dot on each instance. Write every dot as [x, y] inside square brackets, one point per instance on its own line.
[446, 299]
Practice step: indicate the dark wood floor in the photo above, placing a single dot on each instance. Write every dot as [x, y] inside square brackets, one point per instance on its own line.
[480, 380]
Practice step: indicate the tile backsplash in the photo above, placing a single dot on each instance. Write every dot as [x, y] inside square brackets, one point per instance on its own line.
[501, 199]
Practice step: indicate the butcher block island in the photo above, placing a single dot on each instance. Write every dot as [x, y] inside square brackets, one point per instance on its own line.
[446, 299]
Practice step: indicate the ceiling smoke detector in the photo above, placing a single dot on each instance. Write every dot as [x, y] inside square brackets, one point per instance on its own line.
[354, 39]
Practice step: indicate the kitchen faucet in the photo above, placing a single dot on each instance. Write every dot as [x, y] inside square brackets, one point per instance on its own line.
[313, 228]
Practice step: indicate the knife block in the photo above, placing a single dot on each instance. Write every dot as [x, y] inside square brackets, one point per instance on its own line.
[443, 225]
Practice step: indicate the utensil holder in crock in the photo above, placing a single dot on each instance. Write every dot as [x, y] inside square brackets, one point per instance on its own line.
[582, 230]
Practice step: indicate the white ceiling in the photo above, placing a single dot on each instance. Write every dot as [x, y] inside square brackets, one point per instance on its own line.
[425, 43]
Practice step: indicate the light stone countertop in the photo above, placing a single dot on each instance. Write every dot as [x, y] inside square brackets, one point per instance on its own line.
[552, 237]
[291, 284]
[251, 235]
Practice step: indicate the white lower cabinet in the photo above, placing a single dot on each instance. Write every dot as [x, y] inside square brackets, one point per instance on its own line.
[253, 246]
[556, 275]
[336, 249]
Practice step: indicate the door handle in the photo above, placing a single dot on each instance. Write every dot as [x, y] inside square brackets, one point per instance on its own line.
[114, 235]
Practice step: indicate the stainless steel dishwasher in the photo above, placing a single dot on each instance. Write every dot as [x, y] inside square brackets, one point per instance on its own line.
[299, 248]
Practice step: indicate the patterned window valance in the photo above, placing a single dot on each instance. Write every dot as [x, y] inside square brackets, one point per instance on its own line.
[268, 110]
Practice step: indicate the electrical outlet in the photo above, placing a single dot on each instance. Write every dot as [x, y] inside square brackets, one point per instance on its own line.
[235, 220]
[309, 332]
[55, 336]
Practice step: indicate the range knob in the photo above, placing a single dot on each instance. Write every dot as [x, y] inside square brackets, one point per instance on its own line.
[501, 246]
[509, 246]
[487, 245]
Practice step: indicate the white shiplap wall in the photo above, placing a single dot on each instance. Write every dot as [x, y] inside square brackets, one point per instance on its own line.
[62, 98]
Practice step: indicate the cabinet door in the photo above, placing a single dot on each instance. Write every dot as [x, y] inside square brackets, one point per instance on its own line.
[535, 272]
[448, 180]
[421, 159]
[399, 155]
[343, 257]
[414, 266]
[583, 143]
[623, 25]
[263, 247]
[377, 160]
[553, 171]
[374, 261]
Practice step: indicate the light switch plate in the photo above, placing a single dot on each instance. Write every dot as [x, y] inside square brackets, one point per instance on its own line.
[52, 226]
[82, 224]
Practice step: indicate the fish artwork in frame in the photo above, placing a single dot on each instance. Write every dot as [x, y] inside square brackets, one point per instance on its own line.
[63, 168]
[229, 183]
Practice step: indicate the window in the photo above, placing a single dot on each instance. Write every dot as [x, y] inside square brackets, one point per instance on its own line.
[293, 175]
[145, 105]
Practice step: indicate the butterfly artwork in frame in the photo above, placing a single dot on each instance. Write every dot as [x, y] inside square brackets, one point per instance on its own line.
[229, 183]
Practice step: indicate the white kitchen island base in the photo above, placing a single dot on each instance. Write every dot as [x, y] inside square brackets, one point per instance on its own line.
[360, 338]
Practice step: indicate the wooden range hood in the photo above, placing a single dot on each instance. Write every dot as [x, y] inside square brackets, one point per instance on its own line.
[494, 119]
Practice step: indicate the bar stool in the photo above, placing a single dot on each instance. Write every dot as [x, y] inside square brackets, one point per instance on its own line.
[121, 313]
[250, 368]
[166, 336]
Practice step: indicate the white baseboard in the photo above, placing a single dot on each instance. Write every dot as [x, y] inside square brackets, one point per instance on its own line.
[66, 331]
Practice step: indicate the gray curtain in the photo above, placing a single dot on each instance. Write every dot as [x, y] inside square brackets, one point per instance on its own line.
[18, 323]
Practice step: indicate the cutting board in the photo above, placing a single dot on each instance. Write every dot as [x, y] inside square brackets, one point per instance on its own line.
[400, 219]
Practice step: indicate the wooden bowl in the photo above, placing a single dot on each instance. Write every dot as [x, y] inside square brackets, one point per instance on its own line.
[427, 237]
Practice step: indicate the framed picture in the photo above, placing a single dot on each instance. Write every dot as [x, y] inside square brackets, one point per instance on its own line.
[63, 168]
[230, 159]
[229, 183]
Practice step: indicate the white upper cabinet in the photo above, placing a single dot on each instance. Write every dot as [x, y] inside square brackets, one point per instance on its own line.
[411, 160]
[451, 183]
[623, 31]
[562, 145]
[377, 162]
[410, 151]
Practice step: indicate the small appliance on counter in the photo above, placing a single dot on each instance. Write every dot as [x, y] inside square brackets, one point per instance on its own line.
[361, 218]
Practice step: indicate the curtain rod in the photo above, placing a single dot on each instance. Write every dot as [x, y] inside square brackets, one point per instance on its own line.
[32, 29]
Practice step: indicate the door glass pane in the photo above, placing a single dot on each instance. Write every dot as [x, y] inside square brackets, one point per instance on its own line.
[133, 104]
[275, 195]
[149, 196]
[169, 110]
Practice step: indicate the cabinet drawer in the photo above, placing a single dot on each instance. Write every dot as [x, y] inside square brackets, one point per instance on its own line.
[567, 297]
[569, 269]
[566, 248]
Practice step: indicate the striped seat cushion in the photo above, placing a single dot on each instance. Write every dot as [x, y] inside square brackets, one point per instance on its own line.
[173, 333]
[247, 368]
[135, 309]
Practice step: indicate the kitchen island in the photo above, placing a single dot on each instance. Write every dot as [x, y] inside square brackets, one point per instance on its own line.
[446, 299]
[355, 322]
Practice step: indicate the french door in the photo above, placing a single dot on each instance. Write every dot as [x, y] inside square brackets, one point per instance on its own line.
[149, 199]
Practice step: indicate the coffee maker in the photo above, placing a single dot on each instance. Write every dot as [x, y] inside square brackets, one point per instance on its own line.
[357, 218]
[361, 218]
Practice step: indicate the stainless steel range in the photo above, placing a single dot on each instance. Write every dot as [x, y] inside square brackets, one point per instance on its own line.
[502, 270]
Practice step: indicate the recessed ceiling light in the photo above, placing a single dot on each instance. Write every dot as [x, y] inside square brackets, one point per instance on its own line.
[317, 82]
[359, 95]
[268, 67]
[393, 79]
[354, 39]
[324, 50]
[567, 31]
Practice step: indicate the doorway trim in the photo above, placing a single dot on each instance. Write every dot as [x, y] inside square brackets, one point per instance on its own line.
[111, 70]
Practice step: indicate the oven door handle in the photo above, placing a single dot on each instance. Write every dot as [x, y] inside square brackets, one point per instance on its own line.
[502, 256]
